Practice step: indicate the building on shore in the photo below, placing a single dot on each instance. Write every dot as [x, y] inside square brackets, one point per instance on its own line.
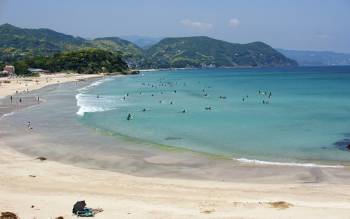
[8, 71]
[38, 70]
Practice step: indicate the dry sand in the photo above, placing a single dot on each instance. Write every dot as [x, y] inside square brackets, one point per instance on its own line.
[52, 188]
[46, 189]
[24, 84]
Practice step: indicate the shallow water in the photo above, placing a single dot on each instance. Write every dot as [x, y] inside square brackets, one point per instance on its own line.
[307, 112]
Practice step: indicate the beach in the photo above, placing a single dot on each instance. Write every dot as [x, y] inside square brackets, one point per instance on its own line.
[52, 188]
[133, 182]
[9, 86]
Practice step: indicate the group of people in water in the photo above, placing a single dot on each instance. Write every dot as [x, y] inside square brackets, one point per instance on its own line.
[204, 92]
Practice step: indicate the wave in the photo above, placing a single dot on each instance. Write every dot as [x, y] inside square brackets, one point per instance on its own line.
[96, 83]
[90, 103]
[261, 162]
[7, 114]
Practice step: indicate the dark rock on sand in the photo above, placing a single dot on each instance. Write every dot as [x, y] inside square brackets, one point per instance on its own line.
[8, 215]
[41, 158]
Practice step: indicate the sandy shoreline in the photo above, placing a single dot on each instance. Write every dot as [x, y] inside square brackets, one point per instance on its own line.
[9, 86]
[52, 188]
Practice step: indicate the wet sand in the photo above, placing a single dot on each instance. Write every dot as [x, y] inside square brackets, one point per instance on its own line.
[130, 179]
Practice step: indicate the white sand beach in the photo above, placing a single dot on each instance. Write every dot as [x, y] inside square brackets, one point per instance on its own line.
[52, 189]
[9, 86]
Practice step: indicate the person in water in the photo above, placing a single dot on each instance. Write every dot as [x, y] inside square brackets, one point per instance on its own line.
[144, 110]
[183, 111]
[129, 117]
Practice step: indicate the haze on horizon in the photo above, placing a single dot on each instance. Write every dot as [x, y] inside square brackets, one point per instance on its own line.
[299, 25]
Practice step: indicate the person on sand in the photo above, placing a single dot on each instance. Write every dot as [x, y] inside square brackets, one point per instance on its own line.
[29, 125]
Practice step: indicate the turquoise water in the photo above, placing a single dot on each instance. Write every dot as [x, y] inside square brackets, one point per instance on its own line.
[306, 118]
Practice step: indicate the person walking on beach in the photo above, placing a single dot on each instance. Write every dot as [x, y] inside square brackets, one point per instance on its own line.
[29, 125]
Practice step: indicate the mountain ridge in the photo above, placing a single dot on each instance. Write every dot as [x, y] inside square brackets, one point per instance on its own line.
[316, 58]
[198, 51]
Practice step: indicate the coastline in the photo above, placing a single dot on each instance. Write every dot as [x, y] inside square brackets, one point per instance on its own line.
[56, 186]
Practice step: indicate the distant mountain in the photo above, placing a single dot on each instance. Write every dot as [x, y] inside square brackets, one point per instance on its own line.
[21, 43]
[317, 58]
[142, 41]
[205, 51]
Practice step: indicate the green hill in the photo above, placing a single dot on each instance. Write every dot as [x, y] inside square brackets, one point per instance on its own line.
[16, 43]
[205, 51]
[86, 61]
[21, 43]
[131, 52]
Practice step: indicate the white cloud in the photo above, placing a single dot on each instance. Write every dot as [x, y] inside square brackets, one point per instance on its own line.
[196, 24]
[233, 22]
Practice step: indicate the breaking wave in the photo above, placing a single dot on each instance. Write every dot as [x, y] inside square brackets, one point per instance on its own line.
[261, 162]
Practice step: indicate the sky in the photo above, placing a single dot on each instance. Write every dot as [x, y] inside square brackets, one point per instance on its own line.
[289, 24]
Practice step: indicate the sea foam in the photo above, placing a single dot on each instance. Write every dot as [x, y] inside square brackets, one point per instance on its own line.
[261, 162]
[7, 114]
[90, 103]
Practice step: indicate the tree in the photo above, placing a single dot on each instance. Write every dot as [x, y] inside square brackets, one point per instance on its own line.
[21, 68]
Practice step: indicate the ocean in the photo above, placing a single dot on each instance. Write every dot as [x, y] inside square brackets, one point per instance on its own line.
[298, 115]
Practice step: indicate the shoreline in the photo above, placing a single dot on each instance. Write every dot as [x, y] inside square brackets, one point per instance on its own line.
[241, 160]
[235, 160]
[53, 187]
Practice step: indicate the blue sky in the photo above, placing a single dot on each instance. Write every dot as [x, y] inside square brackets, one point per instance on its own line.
[290, 24]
